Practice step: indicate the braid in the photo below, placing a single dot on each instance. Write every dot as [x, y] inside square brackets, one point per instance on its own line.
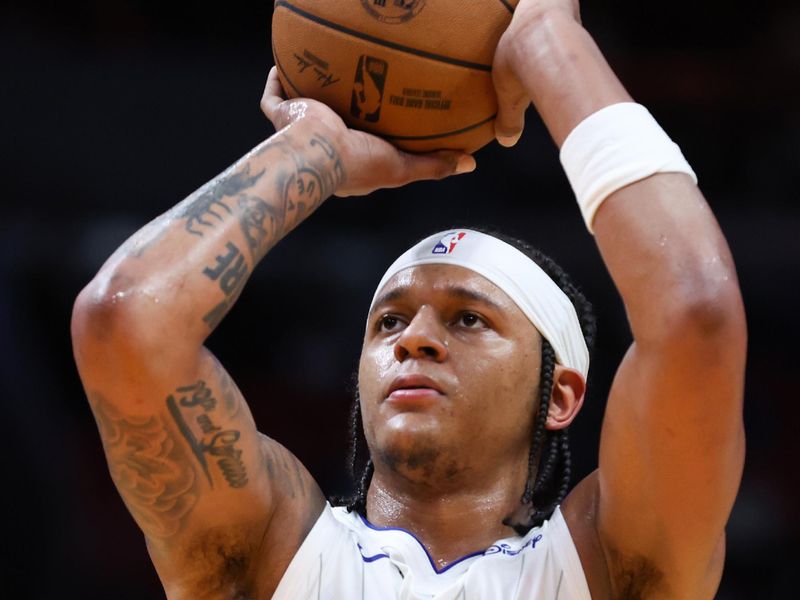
[539, 431]
[356, 442]
[358, 502]
[353, 442]
[566, 465]
[550, 457]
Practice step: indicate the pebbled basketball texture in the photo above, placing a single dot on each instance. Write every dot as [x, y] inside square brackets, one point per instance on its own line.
[416, 72]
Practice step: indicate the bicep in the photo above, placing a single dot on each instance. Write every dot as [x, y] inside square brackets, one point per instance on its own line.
[177, 443]
[200, 481]
[671, 450]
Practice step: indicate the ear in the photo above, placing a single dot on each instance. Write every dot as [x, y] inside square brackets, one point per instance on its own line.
[566, 398]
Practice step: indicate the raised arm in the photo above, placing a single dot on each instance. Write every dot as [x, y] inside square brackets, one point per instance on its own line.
[223, 509]
[672, 445]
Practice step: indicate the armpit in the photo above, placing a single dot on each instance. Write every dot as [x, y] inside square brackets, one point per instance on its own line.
[222, 563]
[636, 577]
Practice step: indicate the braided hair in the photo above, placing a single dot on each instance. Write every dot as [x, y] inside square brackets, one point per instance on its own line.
[550, 458]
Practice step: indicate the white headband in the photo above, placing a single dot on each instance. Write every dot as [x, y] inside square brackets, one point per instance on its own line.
[538, 296]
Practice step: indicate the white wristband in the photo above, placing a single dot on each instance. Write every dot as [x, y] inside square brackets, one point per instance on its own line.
[614, 147]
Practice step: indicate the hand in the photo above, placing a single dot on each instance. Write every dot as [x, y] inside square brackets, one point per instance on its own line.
[509, 61]
[370, 162]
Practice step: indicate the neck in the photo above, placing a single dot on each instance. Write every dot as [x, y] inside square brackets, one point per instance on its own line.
[450, 522]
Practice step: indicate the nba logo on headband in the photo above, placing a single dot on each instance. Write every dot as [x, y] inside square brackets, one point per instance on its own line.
[448, 243]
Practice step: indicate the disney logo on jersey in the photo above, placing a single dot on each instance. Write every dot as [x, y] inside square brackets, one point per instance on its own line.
[506, 549]
[448, 243]
[393, 11]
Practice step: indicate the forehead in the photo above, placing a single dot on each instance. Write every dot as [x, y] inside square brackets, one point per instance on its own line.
[427, 283]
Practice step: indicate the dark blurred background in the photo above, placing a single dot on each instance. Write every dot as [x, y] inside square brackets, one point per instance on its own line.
[114, 110]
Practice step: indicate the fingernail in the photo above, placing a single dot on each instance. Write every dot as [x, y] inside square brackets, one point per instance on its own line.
[465, 164]
[508, 140]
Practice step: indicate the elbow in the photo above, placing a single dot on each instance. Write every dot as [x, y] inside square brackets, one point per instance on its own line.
[96, 313]
[711, 311]
[106, 311]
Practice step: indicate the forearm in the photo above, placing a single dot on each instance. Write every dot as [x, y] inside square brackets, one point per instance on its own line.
[657, 236]
[183, 272]
[565, 74]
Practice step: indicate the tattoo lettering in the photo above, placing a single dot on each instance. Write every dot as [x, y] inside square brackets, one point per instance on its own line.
[200, 396]
[311, 182]
[303, 192]
[189, 406]
[230, 271]
[149, 466]
[208, 202]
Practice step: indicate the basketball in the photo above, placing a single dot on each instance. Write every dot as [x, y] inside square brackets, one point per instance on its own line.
[415, 72]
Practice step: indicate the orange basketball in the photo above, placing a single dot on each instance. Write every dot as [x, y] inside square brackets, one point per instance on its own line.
[416, 72]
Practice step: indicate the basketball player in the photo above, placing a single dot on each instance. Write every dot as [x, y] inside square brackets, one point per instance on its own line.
[474, 364]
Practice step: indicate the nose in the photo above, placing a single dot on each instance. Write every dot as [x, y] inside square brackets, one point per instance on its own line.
[423, 338]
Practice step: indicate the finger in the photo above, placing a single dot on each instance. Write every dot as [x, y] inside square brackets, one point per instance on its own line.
[512, 101]
[273, 94]
[384, 166]
[409, 167]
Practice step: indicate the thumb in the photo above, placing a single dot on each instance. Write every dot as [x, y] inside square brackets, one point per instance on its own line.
[512, 101]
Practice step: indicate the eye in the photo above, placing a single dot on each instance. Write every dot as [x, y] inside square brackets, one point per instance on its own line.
[470, 320]
[388, 323]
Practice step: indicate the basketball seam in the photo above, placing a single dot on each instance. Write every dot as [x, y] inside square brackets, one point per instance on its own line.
[508, 6]
[369, 38]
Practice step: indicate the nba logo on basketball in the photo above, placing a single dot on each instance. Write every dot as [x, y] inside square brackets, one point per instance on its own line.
[368, 88]
[448, 243]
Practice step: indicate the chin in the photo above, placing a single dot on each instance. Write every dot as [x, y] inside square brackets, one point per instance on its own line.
[411, 445]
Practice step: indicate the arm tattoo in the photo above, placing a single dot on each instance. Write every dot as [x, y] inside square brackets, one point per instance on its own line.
[335, 177]
[301, 179]
[189, 407]
[149, 466]
[231, 272]
[253, 212]
[208, 201]
[229, 392]
[283, 468]
[313, 175]
[315, 178]
[312, 181]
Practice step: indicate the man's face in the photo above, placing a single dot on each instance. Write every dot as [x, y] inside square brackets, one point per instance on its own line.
[448, 376]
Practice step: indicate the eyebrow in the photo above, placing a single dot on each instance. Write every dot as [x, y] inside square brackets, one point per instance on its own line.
[455, 291]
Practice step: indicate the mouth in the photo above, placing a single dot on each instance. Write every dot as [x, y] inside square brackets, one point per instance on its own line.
[410, 388]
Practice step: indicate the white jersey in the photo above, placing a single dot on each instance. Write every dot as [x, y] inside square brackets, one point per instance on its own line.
[345, 557]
